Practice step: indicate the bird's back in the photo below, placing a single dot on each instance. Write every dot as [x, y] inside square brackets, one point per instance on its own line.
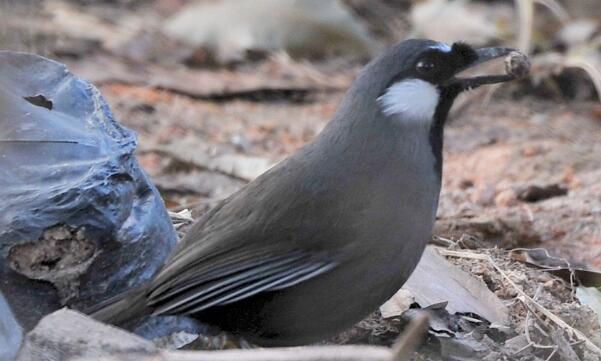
[362, 220]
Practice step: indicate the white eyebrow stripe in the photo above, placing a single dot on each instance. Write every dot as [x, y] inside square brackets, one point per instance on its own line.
[442, 47]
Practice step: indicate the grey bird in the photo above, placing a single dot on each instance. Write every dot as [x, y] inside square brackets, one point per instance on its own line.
[326, 236]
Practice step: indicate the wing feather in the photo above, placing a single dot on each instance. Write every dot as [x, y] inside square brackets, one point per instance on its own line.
[263, 285]
[194, 278]
[201, 291]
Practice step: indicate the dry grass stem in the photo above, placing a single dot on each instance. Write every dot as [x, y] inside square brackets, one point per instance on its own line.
[526, 300]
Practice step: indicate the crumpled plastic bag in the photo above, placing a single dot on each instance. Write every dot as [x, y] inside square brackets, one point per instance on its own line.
[11, 334]
[79, 220]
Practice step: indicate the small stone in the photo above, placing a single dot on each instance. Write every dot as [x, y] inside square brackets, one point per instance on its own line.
[466, 183]
[531, 151]
[480, 270]
[506, 293]
[506, 198]
[549, 285]
[483, 195]
[544, 277]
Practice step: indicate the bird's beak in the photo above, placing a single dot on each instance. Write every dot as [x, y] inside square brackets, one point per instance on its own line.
[485, 55]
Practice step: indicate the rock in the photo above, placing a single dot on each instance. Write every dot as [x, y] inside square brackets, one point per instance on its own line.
[482, 28]
[506, 198]
[302, 28]
[79, 220]
[67, 335]
[578, 31]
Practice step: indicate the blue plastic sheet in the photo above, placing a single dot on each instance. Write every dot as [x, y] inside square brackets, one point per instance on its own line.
[65, 162]
[10, 333]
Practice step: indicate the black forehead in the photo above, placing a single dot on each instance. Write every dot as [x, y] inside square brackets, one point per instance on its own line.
[447, 59]
[458, 55]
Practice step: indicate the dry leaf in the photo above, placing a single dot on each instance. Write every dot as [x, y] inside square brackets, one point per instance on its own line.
[397, 304]
[436, 280]
[590, 296]
[558, 266]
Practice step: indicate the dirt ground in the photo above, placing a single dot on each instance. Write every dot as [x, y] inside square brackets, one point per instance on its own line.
[494, 151]
[520, 170]
[497, 148]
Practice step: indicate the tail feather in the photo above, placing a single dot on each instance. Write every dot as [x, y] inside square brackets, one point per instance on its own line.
[121, 309]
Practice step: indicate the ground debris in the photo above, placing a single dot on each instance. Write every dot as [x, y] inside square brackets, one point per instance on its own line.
[505, 229]
[540, 304]
[60, 256]
[502, 157]
[435, 281]
[68, 335]
[545, 319]
[535, 193]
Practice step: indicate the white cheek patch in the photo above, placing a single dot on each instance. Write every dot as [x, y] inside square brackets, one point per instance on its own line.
[413, 99]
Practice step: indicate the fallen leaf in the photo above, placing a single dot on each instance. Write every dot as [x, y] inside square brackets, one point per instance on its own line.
[397, 304]
[590, 296]
[558, 266]
[436, 280]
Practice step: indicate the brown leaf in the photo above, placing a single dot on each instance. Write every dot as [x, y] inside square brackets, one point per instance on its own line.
[436, 280]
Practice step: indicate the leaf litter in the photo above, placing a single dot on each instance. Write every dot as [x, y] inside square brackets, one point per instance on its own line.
[493, 153]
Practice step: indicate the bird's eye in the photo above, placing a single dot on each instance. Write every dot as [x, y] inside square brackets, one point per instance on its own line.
[425, 67]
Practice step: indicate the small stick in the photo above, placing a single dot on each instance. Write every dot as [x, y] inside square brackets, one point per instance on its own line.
[525, 298]
[410, 338]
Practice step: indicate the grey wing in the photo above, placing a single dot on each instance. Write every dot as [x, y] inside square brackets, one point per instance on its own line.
[211, 267]
[230, 278]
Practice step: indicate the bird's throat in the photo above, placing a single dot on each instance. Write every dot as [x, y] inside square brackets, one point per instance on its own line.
[436, 137]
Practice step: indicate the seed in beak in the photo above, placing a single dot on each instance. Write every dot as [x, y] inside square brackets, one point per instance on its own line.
[517, 64]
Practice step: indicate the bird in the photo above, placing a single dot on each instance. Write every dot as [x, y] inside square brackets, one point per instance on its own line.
[326, 236]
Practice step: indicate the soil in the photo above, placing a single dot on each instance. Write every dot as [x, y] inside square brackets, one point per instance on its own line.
[493, 153]
[519, 171]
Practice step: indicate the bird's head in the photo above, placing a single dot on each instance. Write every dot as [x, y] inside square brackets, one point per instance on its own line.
[412, 86]
[416, 81]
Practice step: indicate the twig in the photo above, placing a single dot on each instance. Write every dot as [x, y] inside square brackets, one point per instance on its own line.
[192, 205]
[527, 300]
[527, 328]
[525, 16]
[70, 331]
[319, 353]
[411, 337]
[557, 9]
[182, 216]
[564, 347]
[523, 348]
[552, 354]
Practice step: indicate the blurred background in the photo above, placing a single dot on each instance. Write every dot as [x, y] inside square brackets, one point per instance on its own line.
[219, 90]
